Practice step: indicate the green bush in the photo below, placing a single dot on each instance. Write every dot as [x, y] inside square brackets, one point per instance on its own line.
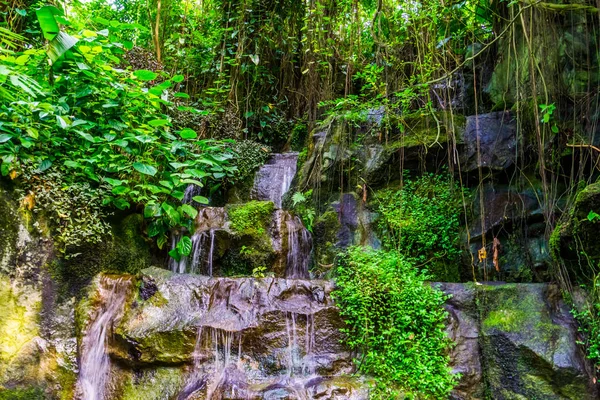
[396, 322]
[250, 156]
[422, 221]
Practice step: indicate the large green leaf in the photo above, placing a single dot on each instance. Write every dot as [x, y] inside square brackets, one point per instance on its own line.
[144, 168]
[188, 133]
[184, 246]
[45, 16]
[60, 45]
[172, 213]
[145, 75]
[158, 122]
[189, 210]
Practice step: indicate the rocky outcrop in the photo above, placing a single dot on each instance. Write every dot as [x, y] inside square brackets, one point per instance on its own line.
[234, 240]
[490, 141]
[266, 337]
[516, 341]
[276, 338]
[576, 236]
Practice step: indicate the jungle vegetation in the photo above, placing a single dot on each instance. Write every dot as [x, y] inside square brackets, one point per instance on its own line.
[111, 107]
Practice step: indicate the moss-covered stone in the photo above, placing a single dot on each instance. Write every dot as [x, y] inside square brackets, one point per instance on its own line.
[528, 344]
[575, 238]
[19, 317]
[250, 223]
[126, 251]
[33, 393]
[326, 228]
[426, 129]
[153, 384]
[9, 232]
[250, 219]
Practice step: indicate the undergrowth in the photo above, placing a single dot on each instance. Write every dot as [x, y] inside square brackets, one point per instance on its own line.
[396, 323]
[421, 220]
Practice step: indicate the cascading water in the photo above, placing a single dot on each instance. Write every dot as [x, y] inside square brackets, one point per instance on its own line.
[201, 256]
[299, 249]
[200, 259]
[95, 363]
[299, 360]
[274, 178]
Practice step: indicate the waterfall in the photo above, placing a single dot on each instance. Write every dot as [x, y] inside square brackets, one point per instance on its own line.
[299, 358]
[222, 342]
[94, 369]
[203, 244]
[299, 249]
[196, 380]
[274, 178]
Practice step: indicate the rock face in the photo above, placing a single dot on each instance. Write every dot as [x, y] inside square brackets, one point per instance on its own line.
[516, 341]
[191, 337]
[38, 351]
[577, 234]
[233, 240]
[238, 338]
[490, 141]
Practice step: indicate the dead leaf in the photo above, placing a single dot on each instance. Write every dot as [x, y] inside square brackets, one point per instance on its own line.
[28, 201]
[496, 254]
[482, 254]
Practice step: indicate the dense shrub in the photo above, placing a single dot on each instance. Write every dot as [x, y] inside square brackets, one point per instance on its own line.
[396, 322]
[421, 220]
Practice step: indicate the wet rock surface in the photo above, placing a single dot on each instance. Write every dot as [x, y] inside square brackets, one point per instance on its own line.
[275, 338]
[516, 341]
[266, 338]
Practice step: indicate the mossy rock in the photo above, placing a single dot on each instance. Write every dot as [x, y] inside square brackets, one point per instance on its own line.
[9, 231]
[126, 251]
[527, 341]
[19, 329]
[250, 219]
[325, 229]
[575, 238]
[250, 223]
[152, 384]
[33, 393]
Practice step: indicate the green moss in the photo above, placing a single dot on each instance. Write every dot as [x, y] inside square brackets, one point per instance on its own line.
[156, 384]
[250, 219]
[421, 129]
[22, 394]
[513, 309]
[9, 232]
[170, 347]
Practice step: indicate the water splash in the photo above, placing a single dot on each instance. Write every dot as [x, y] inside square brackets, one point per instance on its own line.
[299, 249]
[95, 363]
[274, 178]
